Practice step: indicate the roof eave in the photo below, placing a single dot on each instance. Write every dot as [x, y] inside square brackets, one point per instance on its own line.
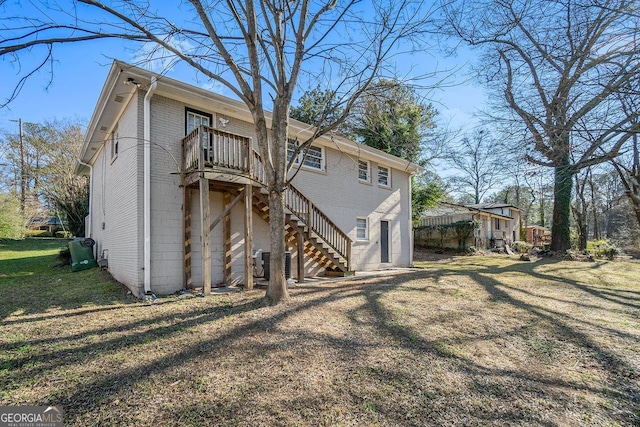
[194, 95]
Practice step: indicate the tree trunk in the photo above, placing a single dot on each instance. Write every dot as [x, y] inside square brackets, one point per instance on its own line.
[581, 211]
[277, 290]
[596, 228]
[581, 225]
[563, 185]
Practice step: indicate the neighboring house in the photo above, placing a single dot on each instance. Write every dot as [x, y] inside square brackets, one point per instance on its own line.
[45, 223]
[175, 173]
[537, 235]
[497, 225]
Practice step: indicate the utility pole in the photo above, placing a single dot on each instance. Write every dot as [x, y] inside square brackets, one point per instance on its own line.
[22, 176]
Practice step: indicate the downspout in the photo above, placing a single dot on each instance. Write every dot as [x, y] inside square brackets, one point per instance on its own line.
[147, 184]
[90, 197]
[410, 222]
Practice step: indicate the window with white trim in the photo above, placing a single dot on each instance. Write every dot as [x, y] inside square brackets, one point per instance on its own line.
[196, 118]
[362, 228]
[364, 171]
[114, 145]
[497, 223]
[384, 178]
[291, 150]
[313, 156]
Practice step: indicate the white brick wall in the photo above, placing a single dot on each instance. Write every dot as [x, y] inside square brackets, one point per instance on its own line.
[337, 192]
[167, 129]
[343, 198]
[116, 200]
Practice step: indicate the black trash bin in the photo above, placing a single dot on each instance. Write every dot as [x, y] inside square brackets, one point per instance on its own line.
[266, 261]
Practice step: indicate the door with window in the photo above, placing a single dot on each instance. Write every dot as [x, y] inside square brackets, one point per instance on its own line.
[194, 119]
[384, 241]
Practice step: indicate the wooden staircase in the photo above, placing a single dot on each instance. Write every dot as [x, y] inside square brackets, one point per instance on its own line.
[223, 156]
[316, 246]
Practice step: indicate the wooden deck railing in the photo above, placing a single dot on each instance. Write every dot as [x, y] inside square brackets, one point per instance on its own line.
[318, 222]
[207, 147]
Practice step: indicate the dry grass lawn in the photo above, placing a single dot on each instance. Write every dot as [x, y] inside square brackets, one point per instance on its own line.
[470, 341]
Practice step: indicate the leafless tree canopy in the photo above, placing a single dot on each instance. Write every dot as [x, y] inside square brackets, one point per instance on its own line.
[257, 49]
[478, 164]
[557, 68]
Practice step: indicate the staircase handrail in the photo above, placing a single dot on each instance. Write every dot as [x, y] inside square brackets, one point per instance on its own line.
[307, 212]
[207, 146]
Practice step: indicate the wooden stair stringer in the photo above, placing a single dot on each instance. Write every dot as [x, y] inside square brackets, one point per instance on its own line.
[313, 246]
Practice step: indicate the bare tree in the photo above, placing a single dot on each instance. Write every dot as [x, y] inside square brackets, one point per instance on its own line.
[627, 166]
[581, 205]
[257, 49]
[477, 165]
[62, 190]
[557, 68]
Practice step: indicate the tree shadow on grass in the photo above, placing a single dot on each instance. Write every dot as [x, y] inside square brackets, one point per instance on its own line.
[83, 397]
[622, 377]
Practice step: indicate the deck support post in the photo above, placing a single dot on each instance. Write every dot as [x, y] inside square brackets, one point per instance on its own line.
[226, 235]
[300, 241]
[248, 237]
[186, 212]
[205, 235]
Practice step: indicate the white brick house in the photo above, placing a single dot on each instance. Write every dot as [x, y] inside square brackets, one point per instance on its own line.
[350, 204]
[498, 225]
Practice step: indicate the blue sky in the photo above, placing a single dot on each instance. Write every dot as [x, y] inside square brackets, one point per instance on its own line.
[80, 69]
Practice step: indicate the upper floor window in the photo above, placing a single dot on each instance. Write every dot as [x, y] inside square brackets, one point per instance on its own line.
[364, 171]
[114, 144]
[313, 156]
[384, 179]
[195, 118]
[291, 150]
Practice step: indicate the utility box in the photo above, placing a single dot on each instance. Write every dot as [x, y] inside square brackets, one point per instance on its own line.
[266, 265]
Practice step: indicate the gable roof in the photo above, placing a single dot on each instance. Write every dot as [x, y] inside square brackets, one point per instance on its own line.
[40, 220]
[448, 208]
[124, 80]
[492, 206]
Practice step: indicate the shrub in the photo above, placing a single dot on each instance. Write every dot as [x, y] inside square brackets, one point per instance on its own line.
[603, 249]
[65, 256]
[11, 222]
[471, 250]
[64, 235]
[37, 233]
[521, 247]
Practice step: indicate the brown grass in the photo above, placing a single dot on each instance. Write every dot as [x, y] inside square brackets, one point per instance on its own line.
[472, 341]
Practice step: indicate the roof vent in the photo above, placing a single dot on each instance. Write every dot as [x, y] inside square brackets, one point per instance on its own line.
[118, 98]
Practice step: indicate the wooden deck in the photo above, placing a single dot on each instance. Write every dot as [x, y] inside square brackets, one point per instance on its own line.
[214, 160]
